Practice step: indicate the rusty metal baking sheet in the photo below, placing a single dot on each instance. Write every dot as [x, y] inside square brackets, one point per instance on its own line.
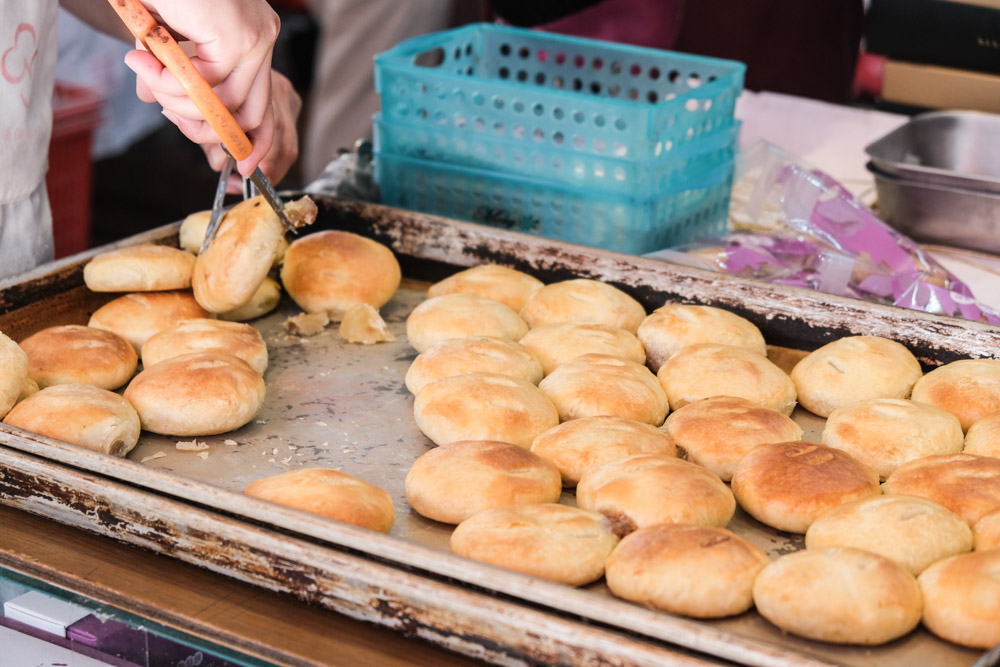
[340, 405]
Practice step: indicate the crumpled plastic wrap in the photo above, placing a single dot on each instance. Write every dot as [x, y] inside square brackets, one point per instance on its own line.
[795, 225]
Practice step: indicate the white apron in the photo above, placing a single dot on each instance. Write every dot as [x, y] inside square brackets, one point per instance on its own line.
[27, 75]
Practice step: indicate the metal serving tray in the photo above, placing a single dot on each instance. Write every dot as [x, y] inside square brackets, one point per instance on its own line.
[345, 406]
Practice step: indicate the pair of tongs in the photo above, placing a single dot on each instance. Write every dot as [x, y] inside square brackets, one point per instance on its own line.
[158, 41]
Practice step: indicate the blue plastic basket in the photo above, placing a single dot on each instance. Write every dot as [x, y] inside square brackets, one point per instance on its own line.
[589, 216]
[552, 92]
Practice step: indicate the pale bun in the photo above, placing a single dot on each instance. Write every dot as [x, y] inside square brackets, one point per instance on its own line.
[80, 414]
[706, 369]
[555, 344]
[332, 270]
[563, 544]
[675, 326]
[136, 317]
[585, 301]
[79, 355]
[329, 493]
[577, 445]
[478, 354]
[968, 389]
[509, 286]
[140, 268]
[854, 368]
[452, 482]
[461, 315]
[196, 394]
[962, 599]
[263, 301]
[13, 373]
[698, 571]
[204, 335]
[966, 484]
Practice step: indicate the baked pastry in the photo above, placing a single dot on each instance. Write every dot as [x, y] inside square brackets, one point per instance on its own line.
[717, 432]
[563, 544]
[483, 406]
[28, 388]
[263, 301]
[555, 344]
[333, 270]
[585, 301]
[136, 317]
[192, 234]
[885, 433]
[788, 485]
[706, 369]
[656, 566]
[462, 315]
[330, 493]
[230, 271]
[986, 532]
[202, 393]
[647, 489]
[912, 531]
[966, 484]
[674, 326]
[204, 335]
[363, 324]
[854, 368]
[595, 385]
[478, 354]
[968, 389]
[139, 268]
[452, 482]
[962, 599]
[509, 286]
[13, 373]
[80, 414]
[983, 437]
[579, 444]
[840, 595]
[81, 355]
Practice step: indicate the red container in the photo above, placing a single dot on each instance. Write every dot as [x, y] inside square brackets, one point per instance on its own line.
[76, 114]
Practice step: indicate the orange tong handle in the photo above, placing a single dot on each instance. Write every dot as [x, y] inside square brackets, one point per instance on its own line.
[161, 44]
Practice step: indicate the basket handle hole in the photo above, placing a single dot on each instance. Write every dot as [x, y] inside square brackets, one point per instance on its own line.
[430, 59]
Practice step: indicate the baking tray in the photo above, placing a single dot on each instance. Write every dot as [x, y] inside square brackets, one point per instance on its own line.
[345, 406]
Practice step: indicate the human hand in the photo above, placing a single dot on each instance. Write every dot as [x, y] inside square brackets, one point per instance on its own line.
[232, 42]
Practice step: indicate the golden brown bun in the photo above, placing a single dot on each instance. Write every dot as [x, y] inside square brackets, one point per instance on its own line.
[330, 271]
[579, 444]
[584, 301]
[231, 269]
[563, 544]
[136, 317]
[263, 301]
[192, 233]
[80, 414]
[452, 482]
[705, 370]
[674, 326]
[646, 489]
[79, 355]
[510, 287]
[140, 268]
[854, 368]
[204, 335]
[330, 493]
[967, 484]
[785, 358]
[788, 485]
[13, 373]
[483, 406]
[461, 315]
[595, 385]
[717, 432]
[983, 437]
[912, 531]
[202, 393]
[986, 532]
[479, 354]
[962, 598]
[555, 344]
[656, 566]
[885, 433]
[839, 595]
[968, 389]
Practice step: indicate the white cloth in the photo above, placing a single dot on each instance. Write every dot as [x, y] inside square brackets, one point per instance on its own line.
[27, 77]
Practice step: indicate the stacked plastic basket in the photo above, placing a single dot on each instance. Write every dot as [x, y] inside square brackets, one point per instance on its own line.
[620, 147]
